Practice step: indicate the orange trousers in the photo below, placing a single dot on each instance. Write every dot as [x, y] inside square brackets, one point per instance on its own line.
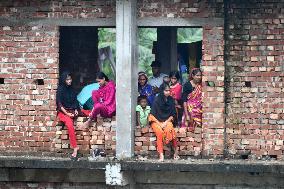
[164, 136]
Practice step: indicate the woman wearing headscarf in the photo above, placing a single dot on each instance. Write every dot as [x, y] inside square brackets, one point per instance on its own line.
[162, 118]
[144, 88]
[103, 98]
[68, 108]
[192, 100]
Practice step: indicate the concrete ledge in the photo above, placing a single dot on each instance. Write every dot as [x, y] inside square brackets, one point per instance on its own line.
[201, 173]
[237, 166]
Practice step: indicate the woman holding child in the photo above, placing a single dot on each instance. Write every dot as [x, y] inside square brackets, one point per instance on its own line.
[144, 88]
[161, 118]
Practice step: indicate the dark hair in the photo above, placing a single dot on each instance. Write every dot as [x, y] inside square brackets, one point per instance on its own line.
[63, 77]
[156, 63]
[101, 75]
[195, 71]
[163, 87]
[141, 97]
[175, 74]
[143, 74]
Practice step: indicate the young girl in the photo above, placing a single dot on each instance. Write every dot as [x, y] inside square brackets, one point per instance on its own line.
[162, 117]
[142, 111]
[176, 89]
[103, 98]
[68, 108]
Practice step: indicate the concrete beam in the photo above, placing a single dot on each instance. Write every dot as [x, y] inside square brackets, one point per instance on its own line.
[216, 166]
[203, 178]
[126, 77]
[100, 22]
[52, 175]
[179, 22]
[110, 22]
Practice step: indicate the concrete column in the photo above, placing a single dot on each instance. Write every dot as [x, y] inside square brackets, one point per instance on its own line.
[126, 77]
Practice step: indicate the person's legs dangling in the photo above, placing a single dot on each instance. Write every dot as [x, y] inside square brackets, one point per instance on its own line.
[159, 134]
[69, 123]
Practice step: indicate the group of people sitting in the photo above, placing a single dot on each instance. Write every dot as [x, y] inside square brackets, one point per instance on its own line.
[163, 103]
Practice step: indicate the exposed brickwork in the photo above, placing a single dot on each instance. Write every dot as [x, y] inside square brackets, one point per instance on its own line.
[58, 9]
[213, 104]
[254, 72]
[189, 143]
[180, 8]
[102, 135]
[29, 52]
[212, 62]
[98, 135]
[255, 96]
[27, 109]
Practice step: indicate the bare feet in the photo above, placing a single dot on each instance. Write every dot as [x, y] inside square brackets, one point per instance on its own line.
[176, 156]
[161, 159]
[74, 156]
[85, 124]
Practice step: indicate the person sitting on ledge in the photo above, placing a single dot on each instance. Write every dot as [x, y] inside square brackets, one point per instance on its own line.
[161, 118]
[142, 111]
[68, 109]
[144, 88]
[104, 100]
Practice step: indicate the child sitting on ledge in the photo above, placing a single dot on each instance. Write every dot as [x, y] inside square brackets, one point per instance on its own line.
[142, 111]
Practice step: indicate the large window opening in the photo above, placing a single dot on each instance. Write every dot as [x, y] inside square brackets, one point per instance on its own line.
[84, 51]
[178, 49]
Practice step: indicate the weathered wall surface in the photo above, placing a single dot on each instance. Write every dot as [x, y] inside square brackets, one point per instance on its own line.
[255, 67]
[29, 50]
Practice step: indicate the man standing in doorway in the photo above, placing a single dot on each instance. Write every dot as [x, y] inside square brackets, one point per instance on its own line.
[157, 79]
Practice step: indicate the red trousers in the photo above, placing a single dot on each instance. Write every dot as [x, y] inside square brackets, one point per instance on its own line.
[69, 123]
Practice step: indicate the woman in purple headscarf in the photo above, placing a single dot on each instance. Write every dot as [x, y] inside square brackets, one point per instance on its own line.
[144, 88]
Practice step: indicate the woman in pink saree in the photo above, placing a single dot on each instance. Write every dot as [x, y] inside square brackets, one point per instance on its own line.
[192, 95]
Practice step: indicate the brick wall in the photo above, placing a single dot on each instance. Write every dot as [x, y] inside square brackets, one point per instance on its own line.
[255, 98]
[33, 9]
[28, 53]
[101, 134]
[29, 50]
[212, 61]
[180, 8]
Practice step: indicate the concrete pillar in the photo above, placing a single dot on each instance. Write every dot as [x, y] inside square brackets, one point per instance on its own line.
[167, 48]
[126, 77]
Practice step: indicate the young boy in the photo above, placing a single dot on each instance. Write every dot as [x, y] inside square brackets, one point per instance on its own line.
[142, 111]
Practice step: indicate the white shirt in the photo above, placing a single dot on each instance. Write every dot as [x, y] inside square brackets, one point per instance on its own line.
[157, 81]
